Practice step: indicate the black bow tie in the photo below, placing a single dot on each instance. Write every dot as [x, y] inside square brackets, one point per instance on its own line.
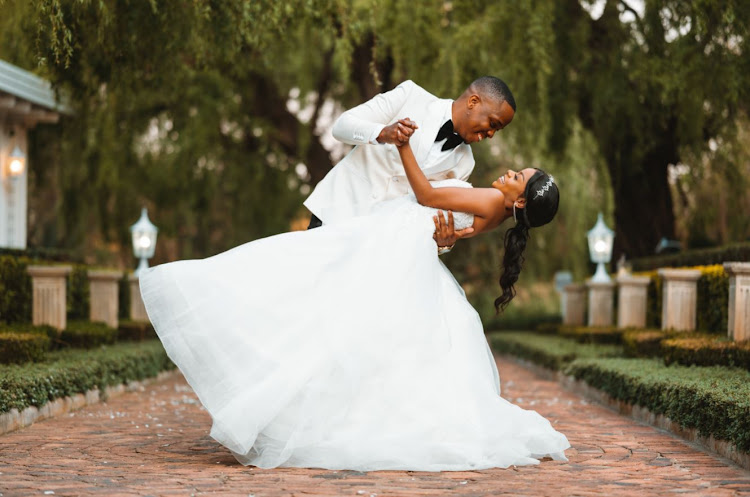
[446, 131]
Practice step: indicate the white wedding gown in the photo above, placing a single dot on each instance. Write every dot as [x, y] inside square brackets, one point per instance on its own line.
[350, 346]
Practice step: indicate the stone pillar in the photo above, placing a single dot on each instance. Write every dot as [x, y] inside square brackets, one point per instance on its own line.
[680, 298]
[601, 297]
[137, 309]
[739, 300]
[48, 295]
[632, 293]
[574, 304]
[104, 296]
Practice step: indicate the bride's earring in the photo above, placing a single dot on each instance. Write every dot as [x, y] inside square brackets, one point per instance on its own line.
[514, 212]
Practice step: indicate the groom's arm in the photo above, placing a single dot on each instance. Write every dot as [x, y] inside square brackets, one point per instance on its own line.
[366, 122]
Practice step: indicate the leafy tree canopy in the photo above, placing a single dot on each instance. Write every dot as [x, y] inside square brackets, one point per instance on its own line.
[205, 109]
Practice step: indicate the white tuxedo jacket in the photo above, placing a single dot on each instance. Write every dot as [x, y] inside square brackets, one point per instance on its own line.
[373, 172]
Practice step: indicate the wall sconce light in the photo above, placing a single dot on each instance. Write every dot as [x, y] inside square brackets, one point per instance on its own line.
[16, 163]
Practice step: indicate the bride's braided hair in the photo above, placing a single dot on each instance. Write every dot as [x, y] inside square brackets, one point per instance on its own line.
[542, 199]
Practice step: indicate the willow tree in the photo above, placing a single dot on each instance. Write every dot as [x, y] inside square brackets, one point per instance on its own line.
[631, 89]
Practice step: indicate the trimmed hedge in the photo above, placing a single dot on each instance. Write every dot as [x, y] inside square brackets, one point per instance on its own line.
[41, 253]
[548, 328]
[713, 400]
[706, 350]
[592, 334]
[17, 348]
[552, 352]
[76, 371]
[15, 289]
[643, 343]
[123, 297]
[88, 335]
[713, 299]
[702, 257]
[78, 295]
[522, 321]
[135, 330]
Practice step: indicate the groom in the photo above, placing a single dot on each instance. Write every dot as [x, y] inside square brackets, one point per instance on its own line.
[372, 172]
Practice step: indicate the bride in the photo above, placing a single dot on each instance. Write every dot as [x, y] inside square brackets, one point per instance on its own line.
[352, 346]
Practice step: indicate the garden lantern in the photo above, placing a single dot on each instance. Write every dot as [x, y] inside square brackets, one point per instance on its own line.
[601, 239]
[144, 240]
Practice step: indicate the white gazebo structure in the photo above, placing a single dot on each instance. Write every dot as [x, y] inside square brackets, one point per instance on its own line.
[25, 101]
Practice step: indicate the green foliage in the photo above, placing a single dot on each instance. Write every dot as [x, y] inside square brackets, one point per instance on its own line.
[592, 334]
[88, 335]
[523, 321]
[654, 299]
[78, 296]
[15, 289]
[713, 400]
[643, 343]
[135, 330]
[123, 296]
[706, 350]
[713, 300]
[548, 351]
[71, 372]
[548, 328]
[182, 106]
[698, 257]
[17, 348]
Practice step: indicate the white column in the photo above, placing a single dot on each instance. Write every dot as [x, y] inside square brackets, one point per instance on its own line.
[680, 299]
[632, 293]
[48, 290]
[104, 296]
[601, 297]
[574, 304]
[739, 300]
[137, 309]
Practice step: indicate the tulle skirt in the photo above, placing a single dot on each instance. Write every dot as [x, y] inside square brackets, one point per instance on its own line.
[350, 346]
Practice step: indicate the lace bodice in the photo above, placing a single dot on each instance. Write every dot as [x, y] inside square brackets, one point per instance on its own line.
[461, 220]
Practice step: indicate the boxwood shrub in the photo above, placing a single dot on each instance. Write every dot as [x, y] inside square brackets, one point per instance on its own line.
[592, 334]
[713, 400]
[643, 343]
[549, 351]
[706, 350]
[135, 330]
[15, 289]
[71, 372]
[78, 295]
[732, 252]
[17, 348]
[87, 335]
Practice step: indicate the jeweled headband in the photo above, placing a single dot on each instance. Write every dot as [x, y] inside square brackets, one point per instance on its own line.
[545, 188]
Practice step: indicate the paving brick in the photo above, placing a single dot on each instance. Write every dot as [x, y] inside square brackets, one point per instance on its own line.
[155, 442]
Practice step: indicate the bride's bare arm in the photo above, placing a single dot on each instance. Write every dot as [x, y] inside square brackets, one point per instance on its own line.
[486, 203]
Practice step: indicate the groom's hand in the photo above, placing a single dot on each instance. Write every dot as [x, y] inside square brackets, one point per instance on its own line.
[398, 133]
[445, 232]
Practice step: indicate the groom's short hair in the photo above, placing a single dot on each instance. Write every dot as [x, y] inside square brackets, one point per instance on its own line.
[495, 88]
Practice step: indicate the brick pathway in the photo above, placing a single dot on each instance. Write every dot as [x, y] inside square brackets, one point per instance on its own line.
[156, 443]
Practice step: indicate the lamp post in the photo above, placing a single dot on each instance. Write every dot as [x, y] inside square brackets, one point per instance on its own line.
[144, 240]
[601, 239]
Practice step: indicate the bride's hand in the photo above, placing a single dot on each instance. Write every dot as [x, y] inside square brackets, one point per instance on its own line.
[398, 133]
[445, 232]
